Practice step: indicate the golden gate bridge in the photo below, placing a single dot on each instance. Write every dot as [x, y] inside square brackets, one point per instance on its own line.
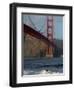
[37, 65]
[49, 30]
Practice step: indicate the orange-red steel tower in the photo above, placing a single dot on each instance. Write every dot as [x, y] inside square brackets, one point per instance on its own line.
[50, 34]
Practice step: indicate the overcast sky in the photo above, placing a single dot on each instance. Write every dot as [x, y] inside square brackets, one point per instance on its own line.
[40, 23]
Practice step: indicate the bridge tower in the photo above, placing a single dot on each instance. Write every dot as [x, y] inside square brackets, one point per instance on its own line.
[50, 35]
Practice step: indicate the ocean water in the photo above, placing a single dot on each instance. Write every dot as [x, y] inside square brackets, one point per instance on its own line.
[43, 66]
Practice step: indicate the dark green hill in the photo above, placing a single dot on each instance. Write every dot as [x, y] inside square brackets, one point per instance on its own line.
[59, 50]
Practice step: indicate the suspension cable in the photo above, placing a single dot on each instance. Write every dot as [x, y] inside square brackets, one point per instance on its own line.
[34, 24]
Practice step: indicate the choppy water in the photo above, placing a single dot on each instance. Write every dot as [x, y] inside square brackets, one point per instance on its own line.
[45, 66]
